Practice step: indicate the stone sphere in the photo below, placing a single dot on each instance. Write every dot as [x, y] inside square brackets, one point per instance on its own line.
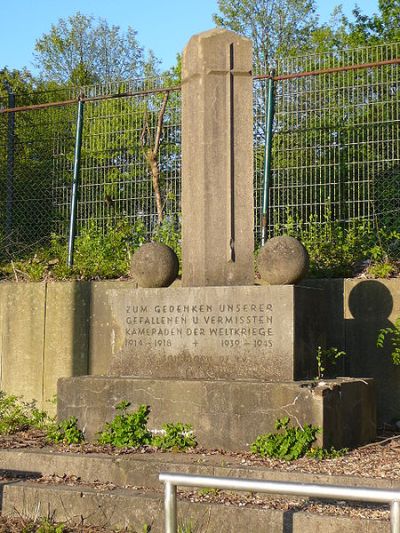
[154, 265]
[283, 261]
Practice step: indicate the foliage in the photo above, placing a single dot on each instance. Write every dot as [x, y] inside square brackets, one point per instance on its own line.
[186, 527]
[393, 333]
[127, 429]
[322, 453]
[380, 27]
[82, 50]
[381, 269]
[335, 250]
[276, 27]
[327, 357]
[103, 254]
[288, 444]
[208, 491]
[175, 437]
[43, 526]
[169, 233]
[65, 432]
[99, 253]
[17, 415]
[130, 430]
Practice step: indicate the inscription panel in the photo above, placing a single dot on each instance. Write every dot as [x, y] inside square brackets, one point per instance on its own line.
[204, 321]
[222, 325]
[269, 333]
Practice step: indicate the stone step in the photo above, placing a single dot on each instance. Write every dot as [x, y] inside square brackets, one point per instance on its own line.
[120, 508]
[142, 469]
[228, 414]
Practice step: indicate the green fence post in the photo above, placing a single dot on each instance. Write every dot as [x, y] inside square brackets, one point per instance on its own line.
[10, 159]
[269, 120]
[75, 182]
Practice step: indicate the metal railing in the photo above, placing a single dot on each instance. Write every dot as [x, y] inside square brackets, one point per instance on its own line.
[370, 495]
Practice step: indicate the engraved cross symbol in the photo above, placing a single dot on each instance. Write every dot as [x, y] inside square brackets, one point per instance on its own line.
[231, 178]
[195, 343]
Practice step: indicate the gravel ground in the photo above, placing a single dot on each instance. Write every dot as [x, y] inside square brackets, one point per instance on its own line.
[377, 460]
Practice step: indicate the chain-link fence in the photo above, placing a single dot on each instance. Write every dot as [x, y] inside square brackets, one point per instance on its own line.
[336, 138]
[335, 150]
[116, 179]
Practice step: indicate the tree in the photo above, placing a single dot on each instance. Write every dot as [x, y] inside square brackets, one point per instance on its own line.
[82, 50]
[276, 27]
[381, 27]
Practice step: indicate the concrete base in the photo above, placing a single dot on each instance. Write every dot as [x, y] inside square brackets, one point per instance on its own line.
[132, 509]
[225, 414]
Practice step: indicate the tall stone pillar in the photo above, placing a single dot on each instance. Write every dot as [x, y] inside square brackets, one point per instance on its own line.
[217, 160]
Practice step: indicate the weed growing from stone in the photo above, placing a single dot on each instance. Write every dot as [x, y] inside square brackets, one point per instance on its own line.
[17, 415]
[175, 437]
[130, 430]
[331, 453]
[44, 526]
[288, 443]
[65, 432]
[185, 528]
[127, 429]
[335, 250]
[393, 333]
[327, 357]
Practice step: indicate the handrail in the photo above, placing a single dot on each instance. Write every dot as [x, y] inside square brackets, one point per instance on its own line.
[364, 494]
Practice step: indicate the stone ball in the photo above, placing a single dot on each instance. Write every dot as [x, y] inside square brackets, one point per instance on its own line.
[283, 261]
[154, 265]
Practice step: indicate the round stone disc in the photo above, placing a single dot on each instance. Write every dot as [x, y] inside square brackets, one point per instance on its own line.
[154, 265]
[283, 261]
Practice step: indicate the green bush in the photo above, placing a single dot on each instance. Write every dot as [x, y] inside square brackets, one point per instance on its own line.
[65, 432]
[327, 358]
[393, 333]
[98, 253]
[44, 525]
[289, 443]
[335, 250]
[17, 415]
[175, 437]
[169, 233]
[127, 429]
[101, 254]
[331, 453]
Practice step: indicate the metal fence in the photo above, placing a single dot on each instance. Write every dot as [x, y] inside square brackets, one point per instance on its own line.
[364, 494]
[335, 150]
[115, 175]
[336, 138]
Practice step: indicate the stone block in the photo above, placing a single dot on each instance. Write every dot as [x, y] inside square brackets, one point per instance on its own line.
[106, 333]
[217, 160]
[22, 345]
[262, 333]
[66, 333]
[371, 305]
[226, 414]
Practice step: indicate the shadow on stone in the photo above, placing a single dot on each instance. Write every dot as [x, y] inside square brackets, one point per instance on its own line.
[370, 305]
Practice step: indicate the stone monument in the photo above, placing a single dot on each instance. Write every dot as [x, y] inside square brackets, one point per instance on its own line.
[220, 353]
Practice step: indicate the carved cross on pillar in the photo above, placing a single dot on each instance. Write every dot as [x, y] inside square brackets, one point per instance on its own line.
[217, 160]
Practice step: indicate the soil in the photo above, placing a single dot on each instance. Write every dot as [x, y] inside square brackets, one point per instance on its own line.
[380, 459]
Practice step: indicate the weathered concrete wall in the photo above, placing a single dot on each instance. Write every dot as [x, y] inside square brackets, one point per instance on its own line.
[228, 414]
[357, 309]
[63, 329]
[44, 331]
[22, 338]
[370, 306]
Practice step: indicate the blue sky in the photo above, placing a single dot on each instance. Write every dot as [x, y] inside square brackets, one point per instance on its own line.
[162, 25]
